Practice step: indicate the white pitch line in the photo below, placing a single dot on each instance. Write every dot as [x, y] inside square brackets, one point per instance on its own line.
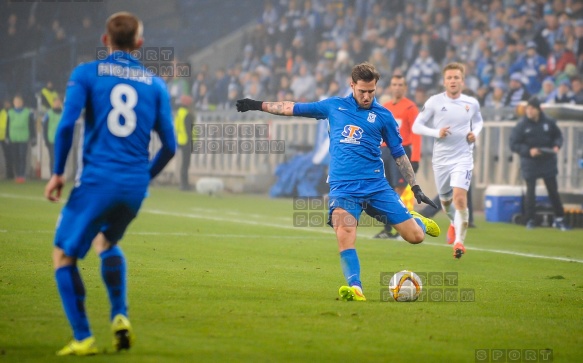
[322, 230]
[329, 231]
[237, 220]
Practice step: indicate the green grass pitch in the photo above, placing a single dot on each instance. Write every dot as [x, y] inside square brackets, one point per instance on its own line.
[229, 278]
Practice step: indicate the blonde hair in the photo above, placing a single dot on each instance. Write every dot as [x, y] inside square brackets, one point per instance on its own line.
[454, 66]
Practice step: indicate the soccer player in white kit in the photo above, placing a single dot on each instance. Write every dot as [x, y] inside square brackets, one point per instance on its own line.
[455, 121]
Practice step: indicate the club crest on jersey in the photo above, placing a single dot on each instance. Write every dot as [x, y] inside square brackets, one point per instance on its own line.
[371, 117]
[352, 134]
[467, 108]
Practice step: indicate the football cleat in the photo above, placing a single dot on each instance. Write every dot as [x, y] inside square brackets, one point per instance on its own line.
[458, 250]
[351, 293]
[431, 227]
[123, 336]
[387, 235]
[450, 234]
[80, 347]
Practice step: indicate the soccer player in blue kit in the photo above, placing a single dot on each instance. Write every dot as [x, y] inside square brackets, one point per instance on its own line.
[357, 126]
[123, 103]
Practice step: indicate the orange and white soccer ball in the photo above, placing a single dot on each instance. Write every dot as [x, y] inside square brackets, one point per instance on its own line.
[405, 286]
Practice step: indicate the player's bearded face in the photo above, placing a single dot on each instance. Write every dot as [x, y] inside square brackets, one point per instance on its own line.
[363, 92]
[453, 82]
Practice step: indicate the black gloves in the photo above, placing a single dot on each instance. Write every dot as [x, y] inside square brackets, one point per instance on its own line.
[248, 104]
[421, 197]
[415, 165]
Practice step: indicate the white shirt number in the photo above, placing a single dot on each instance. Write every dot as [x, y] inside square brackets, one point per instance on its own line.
[122, 108]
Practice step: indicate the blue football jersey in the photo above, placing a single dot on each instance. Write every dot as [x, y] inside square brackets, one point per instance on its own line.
[123, 103]
[355, 136]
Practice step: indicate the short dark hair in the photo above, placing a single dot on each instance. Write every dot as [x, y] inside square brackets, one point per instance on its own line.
[365, 72]
[124, 30]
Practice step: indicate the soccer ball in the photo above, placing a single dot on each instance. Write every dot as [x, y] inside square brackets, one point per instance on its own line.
[405, 286]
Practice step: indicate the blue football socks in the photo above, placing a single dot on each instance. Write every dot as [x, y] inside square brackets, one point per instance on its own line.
[421, 224]
[113, 272]
[351, 267]
[72, 293]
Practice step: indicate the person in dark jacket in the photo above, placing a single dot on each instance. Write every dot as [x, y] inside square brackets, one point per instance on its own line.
[537, 139]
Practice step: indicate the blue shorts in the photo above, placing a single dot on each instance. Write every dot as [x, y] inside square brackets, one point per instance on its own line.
[91, 210]
[384, 205]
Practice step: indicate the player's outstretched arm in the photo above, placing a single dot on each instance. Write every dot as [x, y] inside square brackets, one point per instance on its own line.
[406, 169]
[284, 108]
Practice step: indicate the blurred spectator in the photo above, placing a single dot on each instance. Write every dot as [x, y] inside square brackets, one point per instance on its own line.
[20, 132]
[252, 88]
[424, 71]
[516, 92]
[6, 152]
[380, 62]
[532, 67]
[450, 56]
[183, 122]
[578, 44]
[421, 96]
[559, 58]
[577, 88]
[48, 95]
[471, 81]
[220, 92]
[50, 122]
[270, 20]
[495, 99]
[548, 91]
[564, 94]
[285, 33]
[569, 73]
[303, 86]
[551, 31]
[177, 87]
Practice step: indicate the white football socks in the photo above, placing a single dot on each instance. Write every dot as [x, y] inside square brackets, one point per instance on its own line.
[460, 224]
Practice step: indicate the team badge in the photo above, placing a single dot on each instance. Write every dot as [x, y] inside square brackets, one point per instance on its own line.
[467, 108]
[352, 134]
[371, 117]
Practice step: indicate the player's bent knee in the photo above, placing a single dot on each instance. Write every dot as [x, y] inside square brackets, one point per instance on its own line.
[415, 237]
[410, 231]
[60, 259]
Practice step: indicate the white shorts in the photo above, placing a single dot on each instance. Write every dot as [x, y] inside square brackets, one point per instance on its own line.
[449, 176]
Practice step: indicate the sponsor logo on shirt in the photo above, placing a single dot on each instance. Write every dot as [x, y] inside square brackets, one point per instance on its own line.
[352, 134]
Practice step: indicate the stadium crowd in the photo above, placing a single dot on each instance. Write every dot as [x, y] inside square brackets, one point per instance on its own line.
[304, 50]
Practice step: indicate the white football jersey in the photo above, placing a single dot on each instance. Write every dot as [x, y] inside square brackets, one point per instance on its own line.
[462, 115]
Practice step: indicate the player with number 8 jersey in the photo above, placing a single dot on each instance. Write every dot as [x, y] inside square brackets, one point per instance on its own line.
[123, 104]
